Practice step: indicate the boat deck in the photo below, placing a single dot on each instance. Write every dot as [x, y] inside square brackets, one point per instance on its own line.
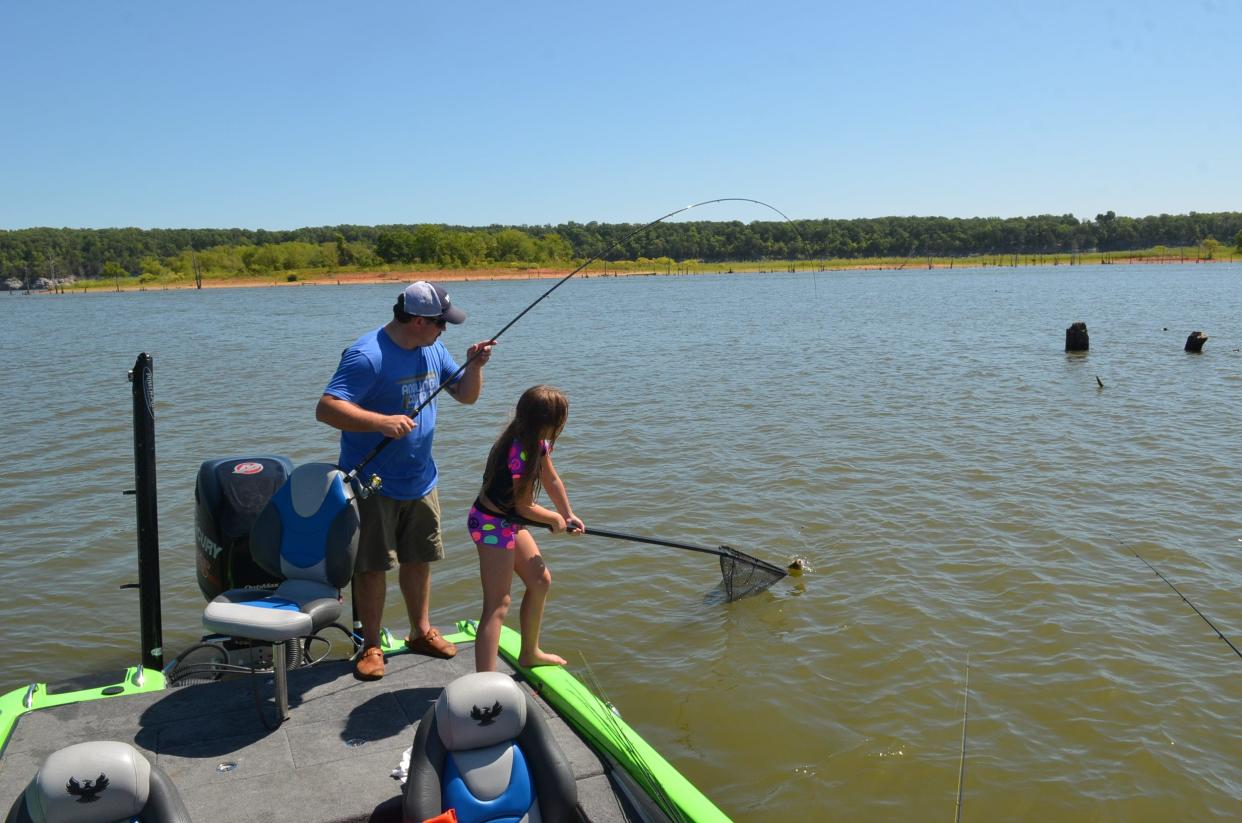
[332, 760]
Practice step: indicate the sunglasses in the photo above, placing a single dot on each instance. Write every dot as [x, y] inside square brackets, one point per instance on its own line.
[439, 321]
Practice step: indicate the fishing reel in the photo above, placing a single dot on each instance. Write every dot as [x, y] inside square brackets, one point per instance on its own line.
[364, 489]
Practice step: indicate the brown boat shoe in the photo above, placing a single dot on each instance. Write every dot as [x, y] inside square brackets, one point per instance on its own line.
[370, 665]
[431, 644]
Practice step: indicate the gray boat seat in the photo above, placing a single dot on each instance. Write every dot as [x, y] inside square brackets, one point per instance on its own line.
[102, 781]
[306, 535]
[485, 751]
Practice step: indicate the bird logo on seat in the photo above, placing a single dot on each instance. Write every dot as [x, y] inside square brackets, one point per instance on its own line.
[88, 790]
[486, 717]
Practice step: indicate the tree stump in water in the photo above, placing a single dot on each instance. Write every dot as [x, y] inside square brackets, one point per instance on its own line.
[1195, 342]
[1076, 337]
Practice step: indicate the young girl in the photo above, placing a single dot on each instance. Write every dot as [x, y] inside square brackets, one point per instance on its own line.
[519, 464]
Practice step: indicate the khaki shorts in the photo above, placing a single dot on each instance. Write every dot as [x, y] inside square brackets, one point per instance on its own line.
[398, 531]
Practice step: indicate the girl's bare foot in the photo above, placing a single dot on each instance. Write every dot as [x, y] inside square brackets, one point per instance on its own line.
[541, 658]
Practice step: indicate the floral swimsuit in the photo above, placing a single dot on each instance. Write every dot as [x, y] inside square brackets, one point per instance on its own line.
[491, 529]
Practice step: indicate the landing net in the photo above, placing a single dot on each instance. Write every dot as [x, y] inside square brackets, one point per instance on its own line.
[745, 575]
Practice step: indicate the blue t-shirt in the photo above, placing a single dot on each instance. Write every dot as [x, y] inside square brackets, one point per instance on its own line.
[380, 376]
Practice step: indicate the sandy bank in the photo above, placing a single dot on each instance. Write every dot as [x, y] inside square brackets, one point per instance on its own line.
[461, 275]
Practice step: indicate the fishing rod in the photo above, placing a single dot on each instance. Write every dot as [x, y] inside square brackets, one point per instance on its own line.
[1188, 603]
[373, 484]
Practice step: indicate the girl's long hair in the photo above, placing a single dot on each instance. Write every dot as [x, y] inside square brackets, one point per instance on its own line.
[541, 414]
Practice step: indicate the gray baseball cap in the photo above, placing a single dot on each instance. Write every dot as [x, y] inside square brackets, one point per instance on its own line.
[424, 299]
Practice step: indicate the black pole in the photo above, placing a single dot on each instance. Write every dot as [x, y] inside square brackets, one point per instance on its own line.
[148, 523]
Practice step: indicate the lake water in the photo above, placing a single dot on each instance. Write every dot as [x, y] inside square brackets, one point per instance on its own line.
[960, 485]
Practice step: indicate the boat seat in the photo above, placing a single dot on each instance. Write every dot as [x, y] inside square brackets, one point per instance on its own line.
[307, 536]
[485, 751]
[99, 782]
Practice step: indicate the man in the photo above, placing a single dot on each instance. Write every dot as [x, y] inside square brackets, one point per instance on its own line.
[382, 378]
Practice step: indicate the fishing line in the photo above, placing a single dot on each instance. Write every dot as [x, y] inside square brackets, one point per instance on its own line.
[646, 776]
[1188, 603]
[961, 768]
[374, 483]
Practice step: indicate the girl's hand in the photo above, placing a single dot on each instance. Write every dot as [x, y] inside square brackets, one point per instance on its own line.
[574, 524]
[558, 525]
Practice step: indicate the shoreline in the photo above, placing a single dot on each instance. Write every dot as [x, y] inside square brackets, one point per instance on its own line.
[503, 274]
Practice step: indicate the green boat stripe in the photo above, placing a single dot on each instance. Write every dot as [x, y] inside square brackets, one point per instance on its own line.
[13, 704]
[607, 731]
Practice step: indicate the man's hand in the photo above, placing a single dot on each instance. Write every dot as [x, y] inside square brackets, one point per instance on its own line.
[480, 353]
[396, 426]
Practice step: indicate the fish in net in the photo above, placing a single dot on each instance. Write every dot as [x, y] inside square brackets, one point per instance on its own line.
[745, 575]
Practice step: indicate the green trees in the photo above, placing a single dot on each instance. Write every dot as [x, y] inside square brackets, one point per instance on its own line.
[511, 245]
[428, 244]
[394, 246]
[114, 271]
[440, 246]
[28, 254]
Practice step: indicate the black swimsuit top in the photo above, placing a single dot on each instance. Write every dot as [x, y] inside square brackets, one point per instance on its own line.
[500, 490]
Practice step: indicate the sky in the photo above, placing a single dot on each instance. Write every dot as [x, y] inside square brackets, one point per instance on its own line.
[278, 114]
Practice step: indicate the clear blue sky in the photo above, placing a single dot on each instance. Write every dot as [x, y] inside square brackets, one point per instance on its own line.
[275, 114]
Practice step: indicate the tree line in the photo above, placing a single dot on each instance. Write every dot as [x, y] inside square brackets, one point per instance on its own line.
[91, 253]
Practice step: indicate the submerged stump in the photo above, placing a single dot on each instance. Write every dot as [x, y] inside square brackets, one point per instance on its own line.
[1076, 338]
[1195, 342]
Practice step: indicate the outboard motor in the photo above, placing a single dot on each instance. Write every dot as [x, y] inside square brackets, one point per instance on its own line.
[229, 495]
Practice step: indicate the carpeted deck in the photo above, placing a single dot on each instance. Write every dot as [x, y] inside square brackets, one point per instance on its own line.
[331, 761]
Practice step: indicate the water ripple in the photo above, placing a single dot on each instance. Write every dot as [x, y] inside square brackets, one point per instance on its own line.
[959, 485]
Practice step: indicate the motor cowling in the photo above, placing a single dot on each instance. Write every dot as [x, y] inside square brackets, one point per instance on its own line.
[228, 496]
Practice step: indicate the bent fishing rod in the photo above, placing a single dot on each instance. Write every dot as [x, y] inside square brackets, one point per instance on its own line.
[1188, 603]
[373, 484]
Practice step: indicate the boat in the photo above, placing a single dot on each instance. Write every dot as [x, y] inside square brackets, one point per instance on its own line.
[201, 724]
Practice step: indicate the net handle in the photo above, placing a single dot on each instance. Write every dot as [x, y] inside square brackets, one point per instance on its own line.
[723, 551]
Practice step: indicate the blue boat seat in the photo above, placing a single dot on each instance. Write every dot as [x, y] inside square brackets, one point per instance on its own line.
[99, 782]
[485, 751]
[307, 536]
